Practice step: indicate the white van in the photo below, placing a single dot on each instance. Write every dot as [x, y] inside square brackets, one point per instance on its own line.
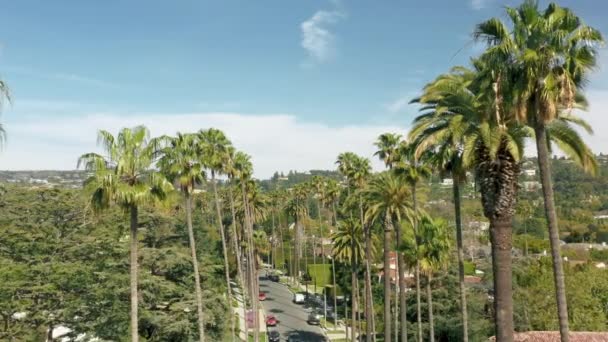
[298, 298]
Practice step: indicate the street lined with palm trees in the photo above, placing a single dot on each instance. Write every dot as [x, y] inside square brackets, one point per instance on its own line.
[339, 228]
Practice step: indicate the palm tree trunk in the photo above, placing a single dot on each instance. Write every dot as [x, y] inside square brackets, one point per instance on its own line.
[134, 268]
[402, 285]
[235, 242]
[297, 250]
[253, 289]
[322, 257]
[370, 329]
[197, 278]
[558, 271]
[396, 311]
[463, 295]
[353, 296]
[429, 299]
[225, 251]
[500, 235]
[417, 271]
[387, 281]
[333, 271]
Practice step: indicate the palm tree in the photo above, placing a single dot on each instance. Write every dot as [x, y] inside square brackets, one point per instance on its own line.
[4, 95]
[551, 52]
[331, 195]
[349, 247]
[214, 154]
[387, 199]
[346, 162]
[318, 183]
[180, 163]
[388, 145]
[409, 167]
[243, 169]
[232, 174]
[298, 209]
[124, 176]
[434, 238]
[359, 172]
[493, 146]
[431, 133]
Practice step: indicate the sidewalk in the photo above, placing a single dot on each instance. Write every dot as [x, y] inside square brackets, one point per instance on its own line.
[240, 311]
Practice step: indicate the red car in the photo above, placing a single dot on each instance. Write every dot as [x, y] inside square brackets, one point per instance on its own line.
[262, 296]
[271, 321]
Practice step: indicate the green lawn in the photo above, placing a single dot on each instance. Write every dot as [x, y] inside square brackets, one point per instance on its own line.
[262, 336]
[321, 275]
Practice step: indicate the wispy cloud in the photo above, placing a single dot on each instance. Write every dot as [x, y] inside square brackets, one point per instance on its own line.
[275, 141]
[480, 4]
[399, 104]
[317, 39]
[61, 76]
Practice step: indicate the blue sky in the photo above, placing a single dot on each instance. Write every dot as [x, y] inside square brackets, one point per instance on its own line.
[333, 73]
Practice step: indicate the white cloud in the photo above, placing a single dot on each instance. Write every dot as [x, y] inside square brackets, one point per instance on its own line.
[317, 39]
[61, 76]
[275, 142]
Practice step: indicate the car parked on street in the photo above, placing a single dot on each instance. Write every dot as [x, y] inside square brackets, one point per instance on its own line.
[262, 296]
[314, 318]
[274, 336]
[271, 321]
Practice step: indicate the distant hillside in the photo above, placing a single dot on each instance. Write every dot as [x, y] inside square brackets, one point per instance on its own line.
[67, 179]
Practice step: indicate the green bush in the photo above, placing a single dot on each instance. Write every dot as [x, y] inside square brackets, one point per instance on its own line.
[469, 268]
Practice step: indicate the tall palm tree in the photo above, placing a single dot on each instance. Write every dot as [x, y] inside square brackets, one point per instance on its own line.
[232, 174]
[214, 154]
[413, 171]
[123, 176]
[435, 244]
[551, 52]
[297, 208]
[244, 170]
[388, 201]
[474, 102]
[359, 173]
[318, 183]
[180, 163]
[4, 95]
[330, 198]
[346, 164]
[388, 145]
[446, 140]
[349, 247]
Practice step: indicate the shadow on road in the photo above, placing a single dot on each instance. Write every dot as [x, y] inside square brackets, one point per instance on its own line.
[276, 311]
[307, 336]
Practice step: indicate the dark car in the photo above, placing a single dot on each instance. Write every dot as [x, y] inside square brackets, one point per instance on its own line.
[274, 336]
[273, 277]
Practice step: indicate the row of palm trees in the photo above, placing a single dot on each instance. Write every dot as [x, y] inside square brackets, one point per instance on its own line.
[136, 170]
[524, 85]
[478, 119]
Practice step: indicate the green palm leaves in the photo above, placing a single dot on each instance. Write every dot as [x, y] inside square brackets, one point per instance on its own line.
[124, 174]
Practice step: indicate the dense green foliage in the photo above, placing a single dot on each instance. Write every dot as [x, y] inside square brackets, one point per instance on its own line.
[64, 265]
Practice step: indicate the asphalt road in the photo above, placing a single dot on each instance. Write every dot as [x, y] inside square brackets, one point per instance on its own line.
[292, 317]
